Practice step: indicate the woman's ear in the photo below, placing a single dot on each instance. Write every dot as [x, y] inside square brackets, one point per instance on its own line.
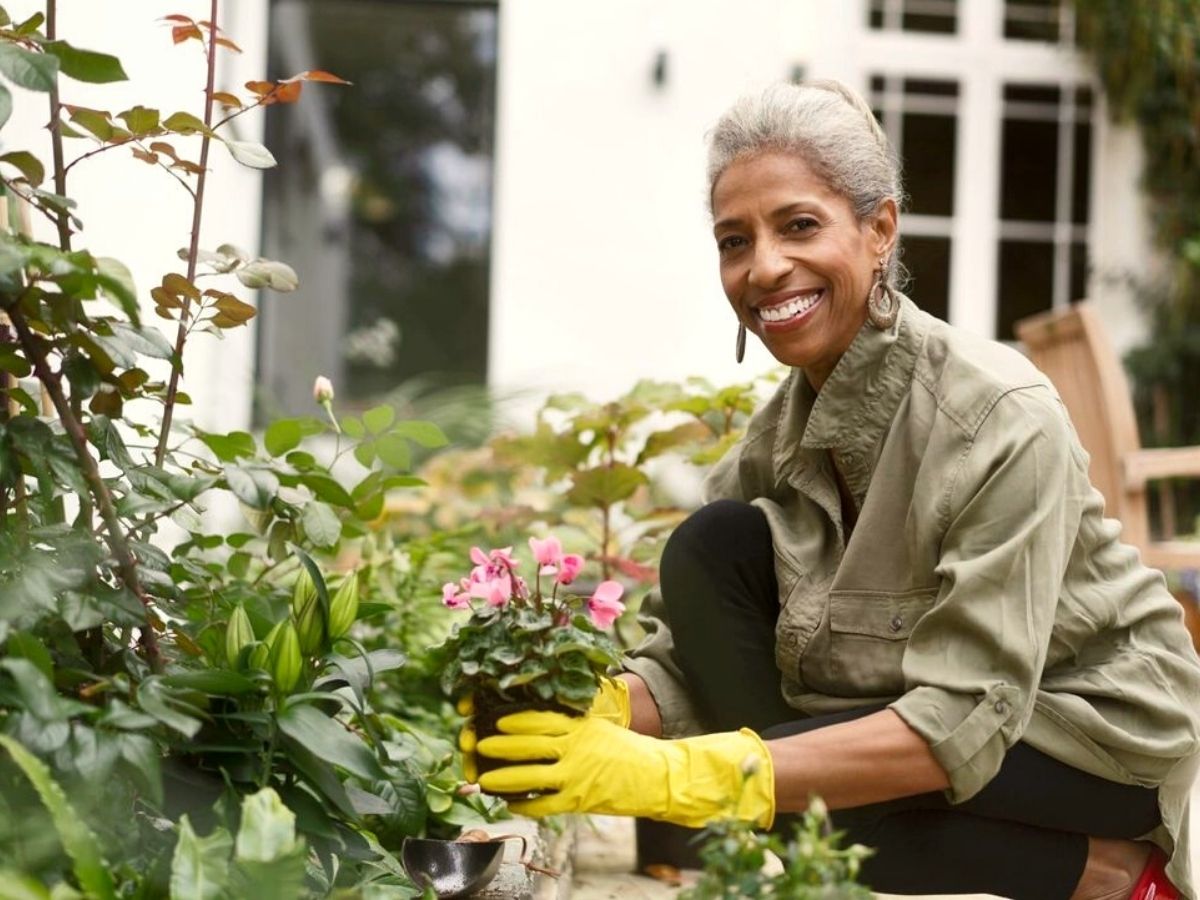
[884, 226]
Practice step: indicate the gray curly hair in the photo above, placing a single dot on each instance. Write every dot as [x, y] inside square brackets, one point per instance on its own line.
[831, 127]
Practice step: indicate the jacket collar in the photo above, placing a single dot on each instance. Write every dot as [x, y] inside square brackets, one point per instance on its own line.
[853, 408]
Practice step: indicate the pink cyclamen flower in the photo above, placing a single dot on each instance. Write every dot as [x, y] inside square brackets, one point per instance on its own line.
[604, 606]
[453, 597]
[569, 567]
[547, 552]
[502, 556]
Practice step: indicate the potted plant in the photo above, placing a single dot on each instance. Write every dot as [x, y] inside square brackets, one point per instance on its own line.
[528, 644]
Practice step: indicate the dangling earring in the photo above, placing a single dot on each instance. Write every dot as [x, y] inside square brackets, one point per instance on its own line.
[883, 304]
[739, 349]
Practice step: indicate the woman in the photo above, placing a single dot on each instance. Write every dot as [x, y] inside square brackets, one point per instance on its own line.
[902, 595]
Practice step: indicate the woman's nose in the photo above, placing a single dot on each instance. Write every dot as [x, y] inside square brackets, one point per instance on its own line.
[769, 264]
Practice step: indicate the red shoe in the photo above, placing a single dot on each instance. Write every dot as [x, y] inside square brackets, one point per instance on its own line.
[1153, 883]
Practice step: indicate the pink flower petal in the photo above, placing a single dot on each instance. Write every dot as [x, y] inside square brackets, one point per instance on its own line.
[503, 556]
[604, 612]
[571, 565]
[478, 557]
[608, 591]
[497, 596]
[547, 552]
[452, 598]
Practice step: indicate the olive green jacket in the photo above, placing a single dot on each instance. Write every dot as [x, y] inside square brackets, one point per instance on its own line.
[981, 593]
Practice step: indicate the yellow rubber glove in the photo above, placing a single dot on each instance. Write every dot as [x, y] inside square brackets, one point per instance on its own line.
[611, 703]
[602, 768]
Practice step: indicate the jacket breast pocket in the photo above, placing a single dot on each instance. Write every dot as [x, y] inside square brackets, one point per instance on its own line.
[868, 631]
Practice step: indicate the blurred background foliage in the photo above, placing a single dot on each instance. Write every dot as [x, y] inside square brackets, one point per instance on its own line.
[1147, 55]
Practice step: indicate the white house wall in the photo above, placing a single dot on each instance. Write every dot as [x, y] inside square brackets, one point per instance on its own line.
[136, 212]
[603, 267]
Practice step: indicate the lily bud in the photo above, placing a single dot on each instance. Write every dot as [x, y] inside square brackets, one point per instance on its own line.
[309, 617]
[286, 661]
[322, 389]
[260, 655]
[343, 609]
[238, 634]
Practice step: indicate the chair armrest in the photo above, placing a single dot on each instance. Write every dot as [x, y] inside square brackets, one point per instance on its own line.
[1163, 462]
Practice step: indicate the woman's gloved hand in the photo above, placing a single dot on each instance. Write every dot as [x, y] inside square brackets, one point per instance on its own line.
[611, 703]
[602, 768]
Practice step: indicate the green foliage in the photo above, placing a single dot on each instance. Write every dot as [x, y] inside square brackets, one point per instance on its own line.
[519, 653]
[200, 719]
[814, 867]
[77, 840]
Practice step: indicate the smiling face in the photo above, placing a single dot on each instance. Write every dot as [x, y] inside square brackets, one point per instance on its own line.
[796, 263]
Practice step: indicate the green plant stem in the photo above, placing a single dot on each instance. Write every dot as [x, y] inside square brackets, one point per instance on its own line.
[606, 512]
[264, 777]
[126, 562]
[194, 245]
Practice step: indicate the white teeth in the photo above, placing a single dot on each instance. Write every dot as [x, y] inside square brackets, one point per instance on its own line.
[793, 307]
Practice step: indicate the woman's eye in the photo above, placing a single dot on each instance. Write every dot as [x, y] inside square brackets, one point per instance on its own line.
[803, 224]
[730, 243]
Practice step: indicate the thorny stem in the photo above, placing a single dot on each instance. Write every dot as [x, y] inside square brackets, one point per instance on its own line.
[116, 537]
[63, 219]
[56, 144]
[194, 245]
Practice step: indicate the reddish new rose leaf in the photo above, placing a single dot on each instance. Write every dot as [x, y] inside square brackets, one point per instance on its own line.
[176, 17]
[260, 87]
[288, 92]
[229, 101]
[318, 75]
[145, 156]
[181, 33]
[632, 569]
[164, 148]
[227, 43]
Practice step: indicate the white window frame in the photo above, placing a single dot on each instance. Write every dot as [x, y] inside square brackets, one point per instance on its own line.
[982, 61]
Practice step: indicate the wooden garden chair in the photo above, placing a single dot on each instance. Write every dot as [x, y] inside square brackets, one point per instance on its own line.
[1070, 345]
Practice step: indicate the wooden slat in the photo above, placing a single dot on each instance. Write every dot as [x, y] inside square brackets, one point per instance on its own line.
[1161, 462]
[1172, 555]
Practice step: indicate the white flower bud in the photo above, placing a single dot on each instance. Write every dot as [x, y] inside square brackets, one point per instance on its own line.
[322, 389]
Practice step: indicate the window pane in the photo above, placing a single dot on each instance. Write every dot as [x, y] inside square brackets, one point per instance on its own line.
[1026, 283]
[928, 16]
[1033, 93]
[928, 262]
[1031, 20]
[1029, 160]
[1082, 174]
[929, 155]
[384, 206]
[1079, 272]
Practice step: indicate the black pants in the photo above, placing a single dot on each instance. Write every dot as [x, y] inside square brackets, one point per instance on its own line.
[1023, 836]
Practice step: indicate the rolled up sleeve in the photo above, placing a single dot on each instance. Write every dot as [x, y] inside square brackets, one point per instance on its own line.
[653, 660]
[973, 662]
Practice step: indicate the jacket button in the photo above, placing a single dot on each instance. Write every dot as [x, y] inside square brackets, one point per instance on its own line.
[897, 623]
[1001, 707]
